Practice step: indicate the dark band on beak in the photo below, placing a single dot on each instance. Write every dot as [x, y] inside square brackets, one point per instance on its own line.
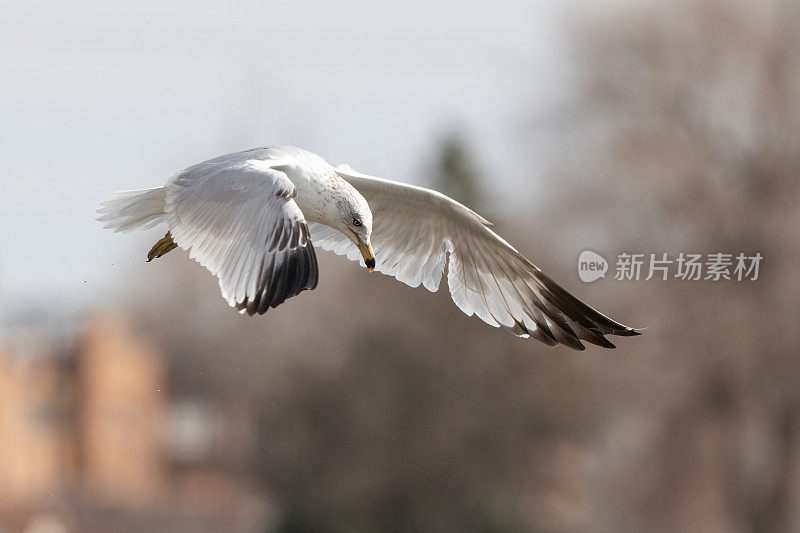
[366, 251]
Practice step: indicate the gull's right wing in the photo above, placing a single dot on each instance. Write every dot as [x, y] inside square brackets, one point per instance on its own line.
[416, 230]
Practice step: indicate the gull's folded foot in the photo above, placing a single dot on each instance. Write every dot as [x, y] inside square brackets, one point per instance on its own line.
[161, 247]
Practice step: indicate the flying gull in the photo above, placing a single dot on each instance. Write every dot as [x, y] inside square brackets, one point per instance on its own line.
[251, 218]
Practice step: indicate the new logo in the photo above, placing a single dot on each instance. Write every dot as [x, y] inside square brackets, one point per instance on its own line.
[591, 266]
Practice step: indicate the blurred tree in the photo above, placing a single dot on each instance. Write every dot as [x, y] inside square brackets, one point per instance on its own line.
[690, 136]
[456, 174]
[404, 441]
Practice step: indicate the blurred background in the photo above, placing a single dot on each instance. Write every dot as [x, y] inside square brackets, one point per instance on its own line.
[133, 399]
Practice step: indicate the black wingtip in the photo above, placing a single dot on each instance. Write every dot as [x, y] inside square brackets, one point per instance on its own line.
[298, 271]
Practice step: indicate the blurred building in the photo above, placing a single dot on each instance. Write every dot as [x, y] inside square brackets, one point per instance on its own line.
[119, 410]
[33, 455]
[89, 429]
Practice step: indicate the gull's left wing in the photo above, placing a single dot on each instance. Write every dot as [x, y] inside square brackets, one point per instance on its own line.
[416, 230]
[238, 218]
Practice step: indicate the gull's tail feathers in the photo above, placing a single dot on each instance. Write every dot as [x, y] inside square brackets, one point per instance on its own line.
[132, 210]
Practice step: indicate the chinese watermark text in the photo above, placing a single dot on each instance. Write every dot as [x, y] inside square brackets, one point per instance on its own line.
[717, 266]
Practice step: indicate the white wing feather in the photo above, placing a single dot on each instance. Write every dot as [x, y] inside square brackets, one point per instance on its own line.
[238, 219]
[416, 230]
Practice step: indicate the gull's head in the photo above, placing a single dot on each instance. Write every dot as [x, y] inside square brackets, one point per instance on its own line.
[356, 222]
[337, 203]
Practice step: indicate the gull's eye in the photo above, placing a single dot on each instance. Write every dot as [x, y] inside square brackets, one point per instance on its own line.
[356, 222]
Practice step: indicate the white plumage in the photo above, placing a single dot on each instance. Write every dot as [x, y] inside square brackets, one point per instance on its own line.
[246, 216]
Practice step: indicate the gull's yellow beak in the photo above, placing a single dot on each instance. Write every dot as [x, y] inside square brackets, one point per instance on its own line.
[366, 253]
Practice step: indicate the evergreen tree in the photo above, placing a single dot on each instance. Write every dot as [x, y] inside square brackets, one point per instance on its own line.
[456, 174]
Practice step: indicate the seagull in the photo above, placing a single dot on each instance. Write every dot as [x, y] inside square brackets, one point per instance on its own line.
[253, 218]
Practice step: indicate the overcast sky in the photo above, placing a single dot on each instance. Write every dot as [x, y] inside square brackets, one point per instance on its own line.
[99, 96]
